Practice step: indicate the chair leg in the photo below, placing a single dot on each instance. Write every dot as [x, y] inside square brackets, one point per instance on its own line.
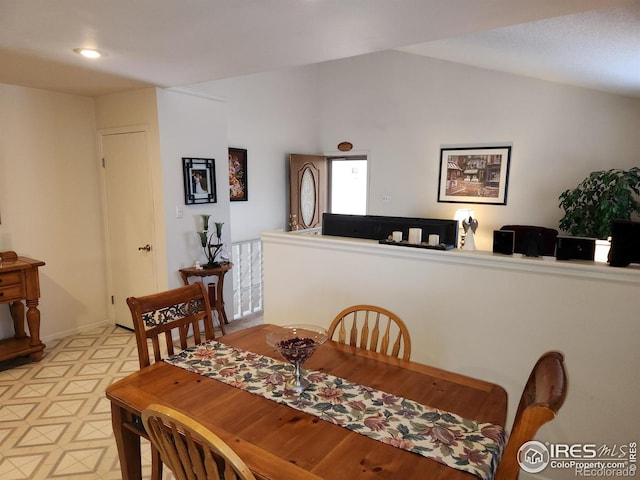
[156, 464]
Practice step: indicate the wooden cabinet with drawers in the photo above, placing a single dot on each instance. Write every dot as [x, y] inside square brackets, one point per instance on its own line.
[19, 282]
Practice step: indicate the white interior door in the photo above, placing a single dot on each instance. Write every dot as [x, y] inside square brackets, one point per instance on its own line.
[129, 220]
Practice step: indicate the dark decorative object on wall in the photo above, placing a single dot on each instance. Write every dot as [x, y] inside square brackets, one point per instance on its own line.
[474, 175]
[199, 180]
[238, 191]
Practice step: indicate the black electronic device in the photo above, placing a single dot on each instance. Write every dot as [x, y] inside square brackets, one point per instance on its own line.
[532, 244]
[575, 248]
[625, 243]
[378, 227]
[504, 241]
[533, 241]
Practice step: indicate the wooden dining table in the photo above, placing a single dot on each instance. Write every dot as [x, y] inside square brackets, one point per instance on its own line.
[279, 442]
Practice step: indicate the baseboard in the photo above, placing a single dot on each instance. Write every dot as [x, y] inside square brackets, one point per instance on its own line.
[75, 331]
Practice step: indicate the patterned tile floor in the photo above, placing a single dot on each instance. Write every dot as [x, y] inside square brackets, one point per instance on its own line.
[55, 420]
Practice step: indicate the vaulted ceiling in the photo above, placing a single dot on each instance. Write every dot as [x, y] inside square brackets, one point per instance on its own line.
[593, 43]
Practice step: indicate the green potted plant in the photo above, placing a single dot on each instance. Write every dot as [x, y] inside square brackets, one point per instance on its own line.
[603, 196]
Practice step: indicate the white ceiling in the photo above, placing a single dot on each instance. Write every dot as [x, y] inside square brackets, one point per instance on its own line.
[170, 43]
[596, 49]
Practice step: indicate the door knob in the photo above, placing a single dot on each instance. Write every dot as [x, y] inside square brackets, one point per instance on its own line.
[146, 248]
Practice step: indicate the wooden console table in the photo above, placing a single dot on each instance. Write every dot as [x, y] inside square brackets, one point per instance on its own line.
[216, 298]
[19, 281]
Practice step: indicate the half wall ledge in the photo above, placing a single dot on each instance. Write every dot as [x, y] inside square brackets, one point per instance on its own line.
[476, 258]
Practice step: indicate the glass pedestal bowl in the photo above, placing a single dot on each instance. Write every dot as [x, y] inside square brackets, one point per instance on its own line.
[296, 343]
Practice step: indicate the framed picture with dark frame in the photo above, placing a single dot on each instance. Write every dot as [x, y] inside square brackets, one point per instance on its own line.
[238, 187]
[474, 175]
[199, 180]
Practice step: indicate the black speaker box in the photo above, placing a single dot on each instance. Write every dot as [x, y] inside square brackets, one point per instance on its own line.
[534, 241]
[575, 248]
[625, 243]
[533, 244]
[504, 241]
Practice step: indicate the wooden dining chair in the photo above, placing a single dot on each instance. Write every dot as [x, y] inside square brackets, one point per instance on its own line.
[170, 316]
[189, 449]
[164, 318]
[372, 328]
[543, 395]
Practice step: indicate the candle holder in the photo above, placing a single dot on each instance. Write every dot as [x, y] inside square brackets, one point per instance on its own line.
[211, 250]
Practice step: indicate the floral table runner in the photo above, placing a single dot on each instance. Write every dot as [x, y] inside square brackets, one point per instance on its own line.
[445, 437]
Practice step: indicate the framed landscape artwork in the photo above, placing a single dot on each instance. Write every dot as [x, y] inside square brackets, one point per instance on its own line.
[238, 187]
[199, 180]
[474, 175]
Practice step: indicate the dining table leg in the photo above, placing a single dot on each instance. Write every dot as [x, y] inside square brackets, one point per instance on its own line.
[128, 443]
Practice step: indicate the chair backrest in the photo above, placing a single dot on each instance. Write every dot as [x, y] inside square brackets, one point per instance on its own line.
[372, 328]
[189, 449]
[170, 315]
[541, 399]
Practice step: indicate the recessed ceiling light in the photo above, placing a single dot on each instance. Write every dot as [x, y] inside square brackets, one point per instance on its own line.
[88, 52]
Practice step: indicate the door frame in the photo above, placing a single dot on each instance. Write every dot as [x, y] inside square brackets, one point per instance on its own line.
[328, 157]
[104, 203]
[362, 155]
[318, 165]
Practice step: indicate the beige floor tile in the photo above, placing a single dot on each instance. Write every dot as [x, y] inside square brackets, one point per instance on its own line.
[55, 421]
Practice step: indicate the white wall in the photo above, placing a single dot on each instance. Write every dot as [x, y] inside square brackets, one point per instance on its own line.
[403, 108]
[50, 204]
[271, 115]
[399, 107]
[192, 127]
[484, 315]
[50, 190]
[133, 109]
[178, 125]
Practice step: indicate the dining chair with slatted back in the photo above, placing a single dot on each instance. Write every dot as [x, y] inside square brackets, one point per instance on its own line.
[166, 317]
[372, 328]
[542, 397]
[189, 449]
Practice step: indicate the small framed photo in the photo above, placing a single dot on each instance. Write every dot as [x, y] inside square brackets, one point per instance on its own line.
[238, 191]
[474, 175]
[199, 180]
